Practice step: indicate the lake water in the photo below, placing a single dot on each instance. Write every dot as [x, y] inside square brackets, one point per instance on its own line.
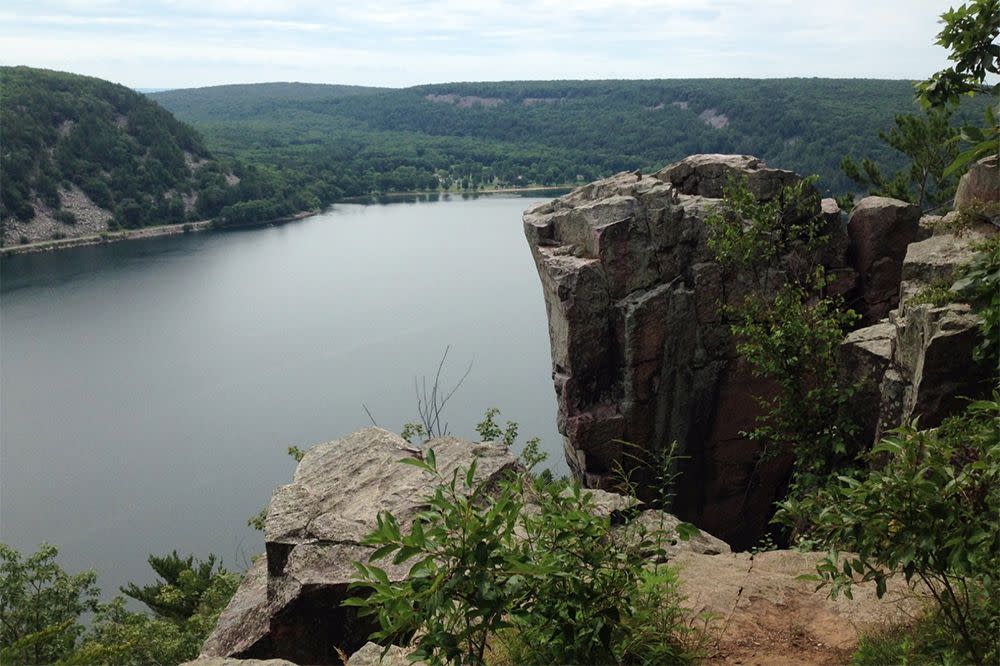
[151, 388]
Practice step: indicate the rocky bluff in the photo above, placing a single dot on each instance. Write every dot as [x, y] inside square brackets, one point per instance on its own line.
[642, 352]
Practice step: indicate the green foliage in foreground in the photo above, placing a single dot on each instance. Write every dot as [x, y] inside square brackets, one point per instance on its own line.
[929, 508]
[521, 571]
[41, 606]
[979, 284]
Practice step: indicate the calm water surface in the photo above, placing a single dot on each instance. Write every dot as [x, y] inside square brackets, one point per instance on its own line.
[150, 388]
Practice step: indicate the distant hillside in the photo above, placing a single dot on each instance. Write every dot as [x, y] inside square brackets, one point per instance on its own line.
[242, 101]
[81, 156]
[347, 140]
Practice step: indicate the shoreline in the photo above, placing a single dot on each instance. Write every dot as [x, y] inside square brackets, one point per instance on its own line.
[206, 225]
[137, 234]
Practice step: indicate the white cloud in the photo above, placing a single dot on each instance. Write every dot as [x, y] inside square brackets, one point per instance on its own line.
[402, 42]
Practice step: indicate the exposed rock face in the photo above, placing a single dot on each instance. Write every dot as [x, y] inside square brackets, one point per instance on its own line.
[980, 183]
[288, 605]
[641, 352]
[918, 361]
[863, 359]
[880, 230]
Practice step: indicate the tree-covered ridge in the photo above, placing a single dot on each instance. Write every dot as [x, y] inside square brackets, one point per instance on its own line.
[118, 156]
[356, 141]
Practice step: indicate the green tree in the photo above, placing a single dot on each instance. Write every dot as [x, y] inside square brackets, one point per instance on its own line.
[929, 143]
[928, 508]
[970, 33]
[786, 326]
[41, 605]
[184, 581]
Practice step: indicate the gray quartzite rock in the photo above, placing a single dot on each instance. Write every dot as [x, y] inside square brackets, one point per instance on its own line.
[641, 350]
[980, 183]
[934, 261]
[230, 661]
[371, 655]
[933, 357]
[918, 362]
[863, 358]
[880, 230]
[288, 605]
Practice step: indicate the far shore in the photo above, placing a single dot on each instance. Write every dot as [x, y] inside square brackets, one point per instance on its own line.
[134, 234]
[206, 225]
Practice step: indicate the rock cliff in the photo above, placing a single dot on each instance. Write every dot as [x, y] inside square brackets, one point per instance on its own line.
[641, 348]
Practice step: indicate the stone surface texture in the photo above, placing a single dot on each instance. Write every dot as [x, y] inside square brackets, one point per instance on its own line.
[880, 230]
[371, 654]
[641, 350]
[917, 362]
[288, 604]
[980, 183]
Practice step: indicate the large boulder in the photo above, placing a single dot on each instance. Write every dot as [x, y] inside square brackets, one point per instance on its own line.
[980, 183]
[933, 358]
[288, 604]
[641, 349]
[880, 230]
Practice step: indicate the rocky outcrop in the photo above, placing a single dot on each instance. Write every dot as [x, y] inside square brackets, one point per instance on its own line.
[641, 349]
[288, 604]
[863, 359]
[980, 183]
[880, 230]
[918, 361]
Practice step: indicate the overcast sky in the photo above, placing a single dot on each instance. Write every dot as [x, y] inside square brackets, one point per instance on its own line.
[184, 43]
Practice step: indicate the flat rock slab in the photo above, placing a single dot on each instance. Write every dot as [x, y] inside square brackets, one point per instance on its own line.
[766, 615]
[289, 603]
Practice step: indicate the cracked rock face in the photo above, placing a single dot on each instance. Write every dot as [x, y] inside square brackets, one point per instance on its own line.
[641, 350]
[917, 362]
[880, 230]
[288, 604]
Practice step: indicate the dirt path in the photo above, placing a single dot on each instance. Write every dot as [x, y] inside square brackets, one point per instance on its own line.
[765, 615]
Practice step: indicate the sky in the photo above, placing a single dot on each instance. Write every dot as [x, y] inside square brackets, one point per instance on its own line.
[190, 43]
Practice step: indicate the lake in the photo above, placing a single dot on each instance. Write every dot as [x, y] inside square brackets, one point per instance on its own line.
[150, 388]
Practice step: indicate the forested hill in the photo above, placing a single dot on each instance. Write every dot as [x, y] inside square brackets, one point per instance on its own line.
[82, 155]
[342, 140]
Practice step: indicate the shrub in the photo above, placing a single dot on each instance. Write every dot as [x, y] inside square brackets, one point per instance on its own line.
[789, 334]
[979, 284]
[526, 567]
[929, 508]
[934, 294]
[65, 217]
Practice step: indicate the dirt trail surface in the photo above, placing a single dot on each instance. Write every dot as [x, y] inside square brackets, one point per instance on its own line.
[765, 615]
